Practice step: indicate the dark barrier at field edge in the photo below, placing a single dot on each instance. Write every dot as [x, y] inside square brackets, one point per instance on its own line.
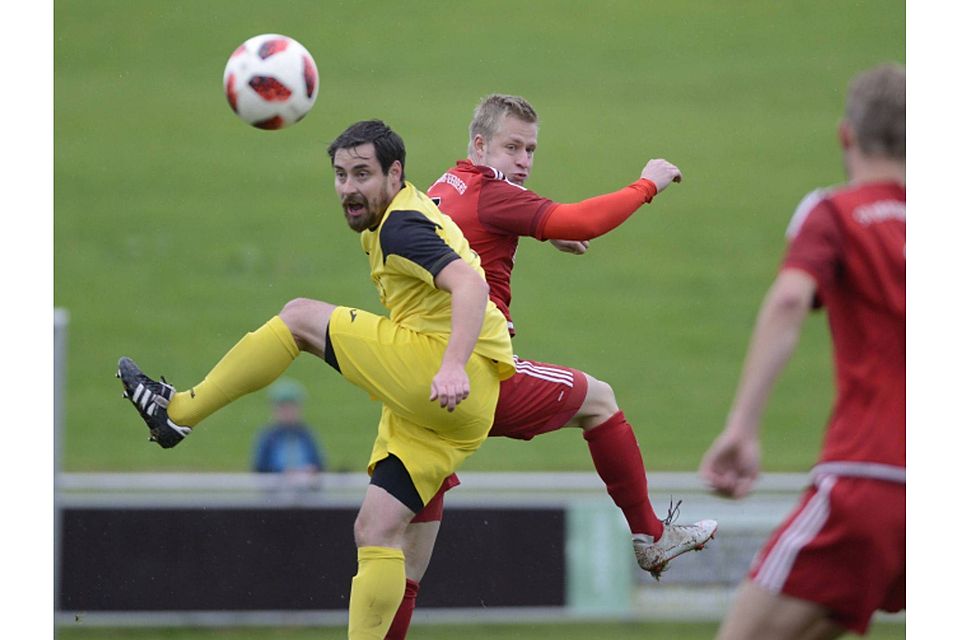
[205, 559]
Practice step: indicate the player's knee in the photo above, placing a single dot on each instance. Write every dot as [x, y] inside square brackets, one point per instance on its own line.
[598, 405]
[307, 321]
[296, 312]
[362, 532]
[601, 397]
[374, 531]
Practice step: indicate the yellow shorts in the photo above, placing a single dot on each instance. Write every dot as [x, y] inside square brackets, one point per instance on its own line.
[396, 366]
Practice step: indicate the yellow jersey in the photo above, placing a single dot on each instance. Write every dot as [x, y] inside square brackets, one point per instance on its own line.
[412, 244]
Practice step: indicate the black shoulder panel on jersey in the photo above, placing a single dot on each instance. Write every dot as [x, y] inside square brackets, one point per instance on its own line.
[410, 235]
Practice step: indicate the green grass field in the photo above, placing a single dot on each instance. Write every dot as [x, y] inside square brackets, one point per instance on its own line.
[178, 228]
[579, 631]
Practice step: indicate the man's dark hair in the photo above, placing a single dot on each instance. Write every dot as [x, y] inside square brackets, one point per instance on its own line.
[388, 145]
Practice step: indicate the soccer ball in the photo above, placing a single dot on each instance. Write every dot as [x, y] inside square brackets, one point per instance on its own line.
[271, 81]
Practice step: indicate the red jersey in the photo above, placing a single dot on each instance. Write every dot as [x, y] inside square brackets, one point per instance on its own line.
[493, 213]
[852, 241]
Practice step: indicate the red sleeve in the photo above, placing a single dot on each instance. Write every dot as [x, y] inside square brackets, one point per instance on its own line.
[816, 247]
[596, 216]
[509, 208]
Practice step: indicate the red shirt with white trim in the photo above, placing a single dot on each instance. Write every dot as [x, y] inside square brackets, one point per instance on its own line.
[851, 240]
[492, 212]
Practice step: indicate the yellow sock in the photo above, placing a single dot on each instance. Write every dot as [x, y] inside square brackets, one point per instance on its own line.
[253, 363]
[376, 592]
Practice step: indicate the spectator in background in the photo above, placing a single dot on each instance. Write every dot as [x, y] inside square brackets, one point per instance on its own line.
[286, 445]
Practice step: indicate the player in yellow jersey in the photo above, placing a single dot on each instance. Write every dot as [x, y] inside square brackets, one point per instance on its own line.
[435, 363]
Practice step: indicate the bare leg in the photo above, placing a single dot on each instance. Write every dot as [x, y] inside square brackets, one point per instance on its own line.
[599, 405]
[382, 520]
[377, 589]
[758, 614]
[307, 320]
[418, 542]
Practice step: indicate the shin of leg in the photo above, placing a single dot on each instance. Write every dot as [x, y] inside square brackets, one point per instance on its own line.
[598, 405]
[376, 592]
[758, 614]
[616, 456]
[418, 542]
[403, 617]
[307, 320]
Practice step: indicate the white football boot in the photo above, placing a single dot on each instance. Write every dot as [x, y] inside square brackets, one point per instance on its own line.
[677, 539]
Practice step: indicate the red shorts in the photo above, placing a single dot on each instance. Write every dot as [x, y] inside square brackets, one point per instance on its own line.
[433, 510]
[539, 398]
[844, 547]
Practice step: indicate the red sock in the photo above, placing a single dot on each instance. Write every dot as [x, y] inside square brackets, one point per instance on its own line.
[401, 621]
[616, 455]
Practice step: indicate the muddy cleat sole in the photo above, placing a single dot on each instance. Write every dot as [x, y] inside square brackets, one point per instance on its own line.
[677, 539]
[150, 398]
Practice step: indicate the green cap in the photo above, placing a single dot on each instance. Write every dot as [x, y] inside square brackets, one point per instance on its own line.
[286, 390]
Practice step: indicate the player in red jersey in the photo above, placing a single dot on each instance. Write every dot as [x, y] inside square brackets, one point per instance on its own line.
[841, 554]
[486, 198]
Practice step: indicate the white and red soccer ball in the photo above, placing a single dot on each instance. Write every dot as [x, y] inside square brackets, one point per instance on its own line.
[271, 81]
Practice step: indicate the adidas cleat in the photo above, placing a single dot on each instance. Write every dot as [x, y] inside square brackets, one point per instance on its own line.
[677, 539]
[151, 399]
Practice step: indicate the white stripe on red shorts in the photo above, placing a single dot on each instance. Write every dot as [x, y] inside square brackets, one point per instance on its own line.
[561, 376]
[804, 528]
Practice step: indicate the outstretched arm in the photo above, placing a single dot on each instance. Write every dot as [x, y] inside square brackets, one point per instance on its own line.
[469, 292]
[732, 463]
[596, 216]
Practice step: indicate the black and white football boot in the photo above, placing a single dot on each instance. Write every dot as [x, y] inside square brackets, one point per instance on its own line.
[151, 399]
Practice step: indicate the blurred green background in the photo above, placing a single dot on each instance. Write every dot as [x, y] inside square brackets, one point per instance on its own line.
[178, 228]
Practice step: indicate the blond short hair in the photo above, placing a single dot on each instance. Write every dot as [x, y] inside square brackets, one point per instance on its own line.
[487, 115]
[876, 110]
